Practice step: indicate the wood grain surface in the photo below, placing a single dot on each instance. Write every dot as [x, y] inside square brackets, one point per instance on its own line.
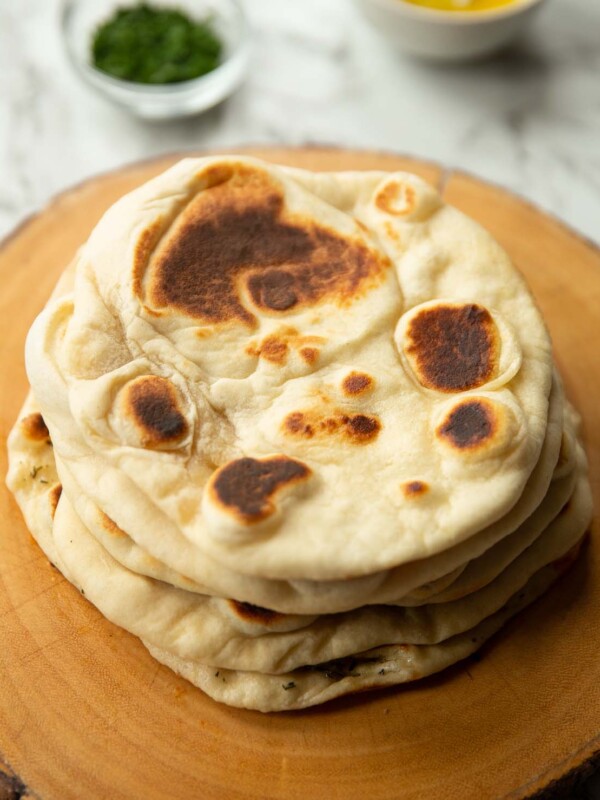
[85, 712]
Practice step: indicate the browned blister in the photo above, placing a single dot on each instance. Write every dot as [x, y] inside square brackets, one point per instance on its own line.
[153, 405]
[34, 428]
[352, 428]
[471, 425]
[396, 199]
[276, 347]
[236, 242]
[357, 383]
[53, 497]
[453, 347]
[247, 487]
[414, 489]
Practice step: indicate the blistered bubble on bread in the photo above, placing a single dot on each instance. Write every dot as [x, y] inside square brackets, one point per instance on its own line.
[452, 347]
[234, 250]
[249, 491]
[357, 383]
[151, 408]
[477, 427]
[406, 199]
[34, 428]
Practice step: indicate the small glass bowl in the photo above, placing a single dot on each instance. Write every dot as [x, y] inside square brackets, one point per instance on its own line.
[80, 18]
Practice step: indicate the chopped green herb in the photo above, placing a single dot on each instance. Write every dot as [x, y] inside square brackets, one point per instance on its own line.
[43, 480]
[154, 45]
[216, 674]
[34, 471]
[342, 667]
[382, 672]
[290, 685]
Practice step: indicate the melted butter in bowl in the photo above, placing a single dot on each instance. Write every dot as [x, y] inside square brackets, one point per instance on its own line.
[463, 5]
[450, 30]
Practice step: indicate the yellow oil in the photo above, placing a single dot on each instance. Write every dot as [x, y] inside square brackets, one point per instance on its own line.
[462, 5]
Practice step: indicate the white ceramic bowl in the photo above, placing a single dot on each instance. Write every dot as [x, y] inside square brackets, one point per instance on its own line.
[80, 18]
[448, 35]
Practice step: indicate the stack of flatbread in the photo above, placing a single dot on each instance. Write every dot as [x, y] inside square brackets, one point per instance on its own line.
[301, 433]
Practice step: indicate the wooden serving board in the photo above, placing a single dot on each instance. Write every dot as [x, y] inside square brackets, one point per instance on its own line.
[86, 713]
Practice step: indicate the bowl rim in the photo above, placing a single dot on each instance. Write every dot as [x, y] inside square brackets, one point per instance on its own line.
[458, 17]
[97, 77]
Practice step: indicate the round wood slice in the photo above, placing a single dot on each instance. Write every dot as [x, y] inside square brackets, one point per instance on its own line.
[85, 712]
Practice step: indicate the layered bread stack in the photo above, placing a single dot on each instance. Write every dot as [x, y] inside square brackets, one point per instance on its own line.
[301, 433]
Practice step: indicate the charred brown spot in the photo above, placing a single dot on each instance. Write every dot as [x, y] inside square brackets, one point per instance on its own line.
[309, 354]
[297, 424]
[34, 427]
[248, 485]
[271, 349]
[396, 199]
[414, 489]
[357, 383]
[275, 347]
[358, 428]
[362, 427]
[110, 526]
[237, 233]
[469, 425]
[455, 348]
[250, 613]
[54, 496]
[330, 424]
[153, 404]
[274, 350]
[274, 289]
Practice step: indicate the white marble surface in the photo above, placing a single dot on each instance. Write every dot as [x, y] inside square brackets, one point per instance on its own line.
[529, 120]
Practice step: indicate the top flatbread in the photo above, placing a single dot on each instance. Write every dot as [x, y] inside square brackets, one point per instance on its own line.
[309, 377]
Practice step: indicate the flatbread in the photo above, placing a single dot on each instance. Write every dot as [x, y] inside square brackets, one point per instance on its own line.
[451, 585]
[242, 636]
[192, 571]
[300, 433]
[228, 634]
[303, 355]
[236, 635]
[380, 667]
